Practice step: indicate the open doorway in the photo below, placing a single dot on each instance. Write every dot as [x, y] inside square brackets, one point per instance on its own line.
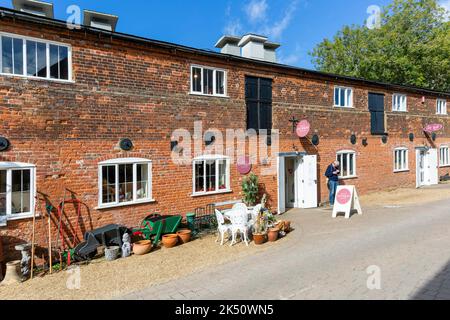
[297, 181]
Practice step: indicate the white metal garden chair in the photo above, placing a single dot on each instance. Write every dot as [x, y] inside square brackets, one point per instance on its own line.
[222, 227]
[254, 215]
[239, 224]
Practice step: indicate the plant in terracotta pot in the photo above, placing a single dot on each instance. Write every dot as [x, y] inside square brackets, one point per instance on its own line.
[260, 229]
[272, 234]
[170, 240]
[142, 247]
[184, 235]
[250, 189]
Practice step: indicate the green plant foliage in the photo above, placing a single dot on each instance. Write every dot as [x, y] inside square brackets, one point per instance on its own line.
[250, 189]
[412, 47]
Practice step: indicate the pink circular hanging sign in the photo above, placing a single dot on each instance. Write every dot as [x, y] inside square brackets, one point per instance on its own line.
[243, 165]
[303, 128]
[343, 196]
[433, 127]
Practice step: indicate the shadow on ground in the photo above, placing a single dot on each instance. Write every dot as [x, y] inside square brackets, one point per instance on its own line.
[438, 288]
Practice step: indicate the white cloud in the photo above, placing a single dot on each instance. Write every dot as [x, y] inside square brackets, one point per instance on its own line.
[256, 10]
[275, 31]
[233, 28]
[292, 58]
[446, 5]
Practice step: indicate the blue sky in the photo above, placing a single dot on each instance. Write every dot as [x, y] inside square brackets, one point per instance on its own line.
[297, 24]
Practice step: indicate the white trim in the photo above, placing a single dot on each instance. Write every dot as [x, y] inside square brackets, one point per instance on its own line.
[403, 104]
[348, 153]
[215, 70]
[216, 159]
[24, 53]
[441, 163]
[348, 106]
[444, 110]
[116, 163]
[402, 169]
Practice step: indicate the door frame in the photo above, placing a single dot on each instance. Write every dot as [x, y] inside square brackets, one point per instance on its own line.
[430, 169]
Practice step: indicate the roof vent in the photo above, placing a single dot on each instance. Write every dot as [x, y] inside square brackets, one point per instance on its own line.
[229, 45]
[39, 8]
[100, 20]
[253, 46]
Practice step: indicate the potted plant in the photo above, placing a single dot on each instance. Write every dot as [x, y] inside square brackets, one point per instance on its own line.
[260, 229]
[250, 189]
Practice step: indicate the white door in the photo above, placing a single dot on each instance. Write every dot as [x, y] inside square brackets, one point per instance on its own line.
[281, 185]
[420, 167]
[432, 167]
[309, 197]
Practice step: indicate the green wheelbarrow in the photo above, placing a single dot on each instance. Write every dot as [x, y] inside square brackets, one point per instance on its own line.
[156, 225]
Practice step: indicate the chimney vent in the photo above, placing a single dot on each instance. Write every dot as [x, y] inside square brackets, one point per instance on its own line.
[100, 20]
[229, 45]
[39, 8]
[253, 46]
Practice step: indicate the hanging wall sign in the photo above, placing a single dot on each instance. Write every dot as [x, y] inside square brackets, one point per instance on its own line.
[347, 200]
[303, 128]
[433, 127]
[244, 166]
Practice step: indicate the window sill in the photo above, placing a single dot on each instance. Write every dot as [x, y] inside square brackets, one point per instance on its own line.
[348, 178]
[401, 171]
[20, 217]
[205, 194]
[341, 107]
[209, 95]
[400, 111]
[36, 78]
[125, 204]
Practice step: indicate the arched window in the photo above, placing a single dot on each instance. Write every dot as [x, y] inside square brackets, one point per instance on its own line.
[124, 181]
[211, 174]
[17, 190]
[347, 159]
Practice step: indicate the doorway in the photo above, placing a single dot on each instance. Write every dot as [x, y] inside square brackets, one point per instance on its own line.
[426, 167]
[297, 181]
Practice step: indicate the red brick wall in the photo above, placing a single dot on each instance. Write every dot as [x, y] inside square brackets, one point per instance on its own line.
[140, 92]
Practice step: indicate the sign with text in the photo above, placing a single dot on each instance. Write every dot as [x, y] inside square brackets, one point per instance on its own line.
[303, 128]
[347, 200]
[433, 127]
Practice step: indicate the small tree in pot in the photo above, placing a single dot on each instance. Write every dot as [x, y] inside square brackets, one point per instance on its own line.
[250, 189]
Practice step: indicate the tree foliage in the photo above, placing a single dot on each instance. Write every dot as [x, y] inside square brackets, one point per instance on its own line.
[411, 47]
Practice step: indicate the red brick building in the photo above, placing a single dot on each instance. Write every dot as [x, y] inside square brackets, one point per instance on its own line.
[69, 96]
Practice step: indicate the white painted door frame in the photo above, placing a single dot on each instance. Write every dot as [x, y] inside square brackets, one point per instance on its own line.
[430, 167]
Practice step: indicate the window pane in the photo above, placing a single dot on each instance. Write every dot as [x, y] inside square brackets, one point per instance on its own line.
[2, 192]
[336, 96]
[18, 56]
[220, 82]
[64, 63]
[210, 176]
[7, 59]
[109, 184]
[196, 79]
[126, 183]
[42, 60]
[54, 62]
[199, 177]
[31, 58]
[208, 81]
[348, 99]
[222, 174]
[342, 98]
[142, 181]
[20, 192]
[351, 163]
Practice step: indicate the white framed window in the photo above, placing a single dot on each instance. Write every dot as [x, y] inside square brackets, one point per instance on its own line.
[17, 190]
[208, 81]
[211, 174]
[35, 58]
[401, 159]
[399, 102]
[444, 156]
[347, 160]
[343, 97]
[441, 106]
[124, 181]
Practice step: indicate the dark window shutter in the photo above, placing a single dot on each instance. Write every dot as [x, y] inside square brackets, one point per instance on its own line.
[376, 108]
[258, 95]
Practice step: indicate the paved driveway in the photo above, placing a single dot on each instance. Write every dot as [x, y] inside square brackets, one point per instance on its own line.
[408, 247]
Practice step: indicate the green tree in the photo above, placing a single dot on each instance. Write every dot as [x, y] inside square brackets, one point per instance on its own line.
[411, 47]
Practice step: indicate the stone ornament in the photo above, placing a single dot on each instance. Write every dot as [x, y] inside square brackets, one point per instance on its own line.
[126, 247]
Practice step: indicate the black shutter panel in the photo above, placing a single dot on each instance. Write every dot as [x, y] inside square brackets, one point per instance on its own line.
[252, 115]
[376, 108]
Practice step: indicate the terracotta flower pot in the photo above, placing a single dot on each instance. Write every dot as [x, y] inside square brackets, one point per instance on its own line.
[259, 238]
[287, 226]
[170, 240]
[273, 234]
[184, 235]
[142, 247]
